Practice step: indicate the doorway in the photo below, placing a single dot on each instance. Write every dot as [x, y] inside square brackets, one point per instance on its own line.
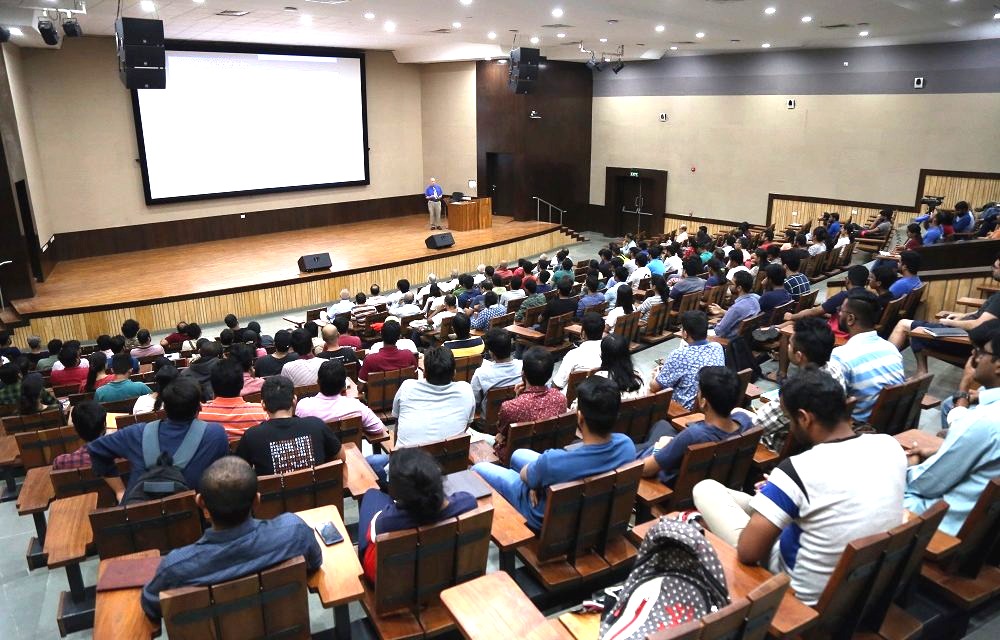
[632, 205]
[500, 182]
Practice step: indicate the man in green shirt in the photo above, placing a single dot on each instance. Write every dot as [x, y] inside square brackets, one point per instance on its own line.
[533, 299]
[55, 345]
[121, 388]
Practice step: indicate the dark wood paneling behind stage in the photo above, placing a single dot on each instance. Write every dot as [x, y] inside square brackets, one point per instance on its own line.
[551, 154]
[157, 235]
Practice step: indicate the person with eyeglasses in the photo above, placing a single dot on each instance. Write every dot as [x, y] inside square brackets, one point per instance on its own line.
[958, 467]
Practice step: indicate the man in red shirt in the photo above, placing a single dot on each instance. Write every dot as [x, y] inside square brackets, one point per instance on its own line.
[535, 401]
[235, 414]
[388, 358]
[73, 372]
[177, 337]
[346, 339]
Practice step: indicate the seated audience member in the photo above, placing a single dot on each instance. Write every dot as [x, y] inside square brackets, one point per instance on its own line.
[480, 319]
[130, 329]
[344, 305]
[89, 420]
[989, 311]
[810, 347]
[182, 401]
[237, 544]
[343, 325]
[588, 354]
[302, 371]
[611, 286]
[416, 497]
[503, 271]
[271, 364]
[449, 311]
[691, 281]
[200, 370]
[673, 263]
[735, 264]
[500, 371]
[332, 402]
[283, 443]
[641, 271]
[266, 340]
[680, 368]
[544, 281]
[591, 296]
[146, 347]
[72, 371]
[12, 391]
[498, 286]
[165, 375]
[252, 339]
[934, 233]
[464, 343]
[965, 220]
[716, 273]
[559, 305]
[958, 468]
[193, 333]
[909, 265]
[244, 354]
[402, 288]
[83, 361]
[656, 265]
[122, 387]
[431, 409]
[857, 278]
[818, 245]
[406, 306]
[312, 328]
[535, 401]
[332, 347]
[913, 238]
[524, 485]
[616, 365]
[624, 305]
[719, 389]
[880, 281]
[869, 363]
[834, 228]
[847, 486]
[118, 346]
[233, 324]
[744, 306]
[796, 284]
[565, 270]
[662, 297]
[34, 353]
[515, 293]
[363, 308]
[434, 300]
[7, 348]
[432, 281]
[880, 226]
[54, 347]
[226, 338]
[533, 298]
[389, 357]
[467, 291]
[227, 407]
[374, 296]
[774, 289]
[176, 338]
[97, 372]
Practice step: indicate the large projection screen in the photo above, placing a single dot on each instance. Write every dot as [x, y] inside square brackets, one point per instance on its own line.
[245, 119]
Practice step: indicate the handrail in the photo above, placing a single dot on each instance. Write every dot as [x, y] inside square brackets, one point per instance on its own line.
[538, 209]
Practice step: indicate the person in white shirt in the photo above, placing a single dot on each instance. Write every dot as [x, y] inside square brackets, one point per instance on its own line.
[682, 235]
[624, 304]
[501, 371]
[435, 300]
[402, 343]
[375, 298]
[402, 287]
[641, 270]
[449, 311]
[735, 264]
[515, 291]
[406, 307]
[344, 305]
[673, 262]
[448, 287]
[425, 290]
[818, 245]
[587, 355]
[480, 275]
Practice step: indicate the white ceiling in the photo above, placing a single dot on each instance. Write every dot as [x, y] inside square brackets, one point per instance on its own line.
[729, 25]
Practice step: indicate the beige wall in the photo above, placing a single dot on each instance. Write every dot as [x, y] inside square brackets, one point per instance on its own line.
[856, 147]
[86, 147]
[448, 114]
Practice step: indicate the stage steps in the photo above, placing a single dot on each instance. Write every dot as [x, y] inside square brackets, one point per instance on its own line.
[9, 319]
[576, 235]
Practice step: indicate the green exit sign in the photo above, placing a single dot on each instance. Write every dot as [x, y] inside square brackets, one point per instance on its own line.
[634, 173]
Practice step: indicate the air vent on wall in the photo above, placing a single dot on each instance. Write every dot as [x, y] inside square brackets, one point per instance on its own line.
[232, 13]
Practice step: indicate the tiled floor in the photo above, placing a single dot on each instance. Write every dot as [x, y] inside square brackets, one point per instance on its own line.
[28, 600]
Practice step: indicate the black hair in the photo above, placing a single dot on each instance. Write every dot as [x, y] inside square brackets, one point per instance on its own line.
[625, 298]
[415, 484]
[231, 321]
[599, 400]
[744, 281]
[814, 338]
[910, 260]
[129, 328]
[98, 364]
[641, 260]
[592, 284]
[165, 376]
[775, 274]
[497, 280]
[913, 227]
[773, 251]
[735, 257]
[31, 390]
[450, 300]
[791, 260]
[858, 275]
[228, 487]
[403, 285]
[693, 266]
[530, 286]
[543, 276]
[490, 298]
[193, 331]
[461, 326]
[332, 377]
[182, 400]
[816, 392]
[720, 387]
[254, 326]
[54, 345]
[68, 355]
[311, 328]
[515, 283]
[885, 275]
[282, 340]
[616, 359]
[9, 373]
[209, 349]
[498, 342]
[244, 354]
[360, 298]
[537, 366]
[278, 393]
[567, 264]
[226, 337]
[251, 337]
[439, 365]
[143, 336]
[374, 289]
[227, 379]
[302, 343]
[695, 324]
[593, 325]
[117, 344]
[660, 284]
[121, 363]
[565, 286]
[104, 342]
[865, 306]
[89, 420]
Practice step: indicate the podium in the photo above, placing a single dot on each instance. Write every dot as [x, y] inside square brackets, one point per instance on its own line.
[468, 215]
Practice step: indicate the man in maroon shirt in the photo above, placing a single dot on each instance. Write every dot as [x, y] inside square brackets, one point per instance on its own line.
[388, 358]
[346, 340]
[72, 372]
[535, 401]
[176, 337]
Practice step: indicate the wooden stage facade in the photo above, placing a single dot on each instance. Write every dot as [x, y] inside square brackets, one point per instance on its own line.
[259, 275]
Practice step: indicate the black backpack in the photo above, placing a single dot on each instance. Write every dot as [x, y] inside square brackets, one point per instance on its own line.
[164, 475]
[677, 578]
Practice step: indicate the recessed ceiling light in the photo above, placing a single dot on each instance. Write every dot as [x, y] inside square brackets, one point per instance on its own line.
[16, 31]
[560, 35]
[770, 11]
[456, 25]
[369, 15]
[846, 63]
[807, 18]
[557, 13]
[673, 48]
[466, 3]
[766, 45]
[534, 40]
[660, 28]
[700, 34]
[199, 1]
[492, 35]
[148, 6]
[863, 34]
[604, 39]
[996, 16]
[389, 26]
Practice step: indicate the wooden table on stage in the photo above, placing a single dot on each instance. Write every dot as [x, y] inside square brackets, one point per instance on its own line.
[470, 214]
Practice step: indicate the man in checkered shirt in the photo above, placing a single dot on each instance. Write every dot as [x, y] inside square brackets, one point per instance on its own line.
[796, 284]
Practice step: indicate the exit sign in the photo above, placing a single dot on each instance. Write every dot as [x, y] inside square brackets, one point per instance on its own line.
[634, 173]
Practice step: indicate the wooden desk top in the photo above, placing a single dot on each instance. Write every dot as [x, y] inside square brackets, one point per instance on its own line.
[69, 532]
[118, 614]
[492, 607]
[9, 452]
[359, 476]
[509, 528]
[583, 626]
[338, 581]
[36, 492]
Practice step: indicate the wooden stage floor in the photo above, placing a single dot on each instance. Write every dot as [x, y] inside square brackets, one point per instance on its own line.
[258, 262]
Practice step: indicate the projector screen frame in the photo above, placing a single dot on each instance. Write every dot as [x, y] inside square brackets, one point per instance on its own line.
[212, 46]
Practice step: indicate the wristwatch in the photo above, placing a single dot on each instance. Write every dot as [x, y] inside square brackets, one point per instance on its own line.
[961, 395]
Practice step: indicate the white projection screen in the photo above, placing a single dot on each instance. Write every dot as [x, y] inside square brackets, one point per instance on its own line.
[237, 122]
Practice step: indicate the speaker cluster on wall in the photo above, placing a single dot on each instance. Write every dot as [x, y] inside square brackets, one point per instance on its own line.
[523, 69]
[141, 56]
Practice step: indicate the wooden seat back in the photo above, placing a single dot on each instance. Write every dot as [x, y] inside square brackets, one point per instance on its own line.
[531, 314]
[270, 604]
[465, 367]
[514, 304]
[764, 603]
[898, 406]
[758, 281]
[715, 295]
[163, 524]
[539, 435]
[912, 301]
[32, 421]
[627, 326]
[637, 416]
[894, 561]
[74, 482]
[778, 313]
[348, 428]
[725, 461]
[601, 308]
[586, 514]
[120, 406]
[743, 448]
[573, 380]
[445, 329]
[381, 387]
[656, 321]
[452, 453]
[135, 418]
[404, 322]
[505, 320]
[77, 398]
[555, 329]
[688, 302]
[306, 391]
[64, 390]
[494, 398]
[303, 489]
[39, 448]
[890, 316]
[807, 301]
[414, 566]
[979, 534]
[727, 622]
[930, 520]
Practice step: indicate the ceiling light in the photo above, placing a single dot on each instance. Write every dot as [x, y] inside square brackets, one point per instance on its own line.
[369, 15]
[807, 18]
[492, 35]
[996, 16]
[466, 3]
[456, 25]
[389, 26]
[16, 31]
[557, 13]
[147, 6]
[199, 1]
[660, 28]
[560, 35]
[534, 40]
[700, 34]
[766, 45]
[863, 34]
[602, 39]
[770, 11]
[674, 48]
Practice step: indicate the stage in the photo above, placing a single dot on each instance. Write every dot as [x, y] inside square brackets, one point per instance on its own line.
[259, 275]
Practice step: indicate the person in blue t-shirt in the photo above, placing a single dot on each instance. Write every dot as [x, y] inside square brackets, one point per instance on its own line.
[433, 194]
[965, 221]
[909, 265]
[531, 473]
[719, 389]
[834, 228]
[934, 233]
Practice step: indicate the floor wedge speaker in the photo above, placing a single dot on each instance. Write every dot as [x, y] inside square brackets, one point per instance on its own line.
[315, 262]
[440, 240]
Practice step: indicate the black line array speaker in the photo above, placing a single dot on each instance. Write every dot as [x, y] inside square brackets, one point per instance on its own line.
[315, 262]
[440, 240]
[523, 69]
[141, 56]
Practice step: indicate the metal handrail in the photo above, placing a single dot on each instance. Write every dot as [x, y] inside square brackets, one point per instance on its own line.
[538, 209]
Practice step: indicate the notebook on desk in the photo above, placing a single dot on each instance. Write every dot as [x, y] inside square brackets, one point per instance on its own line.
[946, 332]
[468, 482]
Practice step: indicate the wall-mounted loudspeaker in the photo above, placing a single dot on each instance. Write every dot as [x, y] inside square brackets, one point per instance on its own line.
[440, 241]
[315, 262]
[141, 57]
[48, 32]
[523, 69]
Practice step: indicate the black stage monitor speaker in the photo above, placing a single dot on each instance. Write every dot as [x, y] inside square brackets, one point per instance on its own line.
[141, 57]
[315, 262]
[440, 240]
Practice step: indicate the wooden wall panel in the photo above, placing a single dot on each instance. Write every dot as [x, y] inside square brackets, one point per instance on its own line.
[673, 223]
[976, 190]
[942, 292]
[782, 211]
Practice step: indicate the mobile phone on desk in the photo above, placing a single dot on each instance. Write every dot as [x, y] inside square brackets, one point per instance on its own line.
[329, 534]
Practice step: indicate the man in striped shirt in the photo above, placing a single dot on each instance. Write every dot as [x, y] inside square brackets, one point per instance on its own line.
[796, 284]
[362, 309]
[868, 362]
[227, 408]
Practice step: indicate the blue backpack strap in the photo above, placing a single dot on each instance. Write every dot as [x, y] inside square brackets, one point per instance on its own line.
[189, 445]
[151, 443]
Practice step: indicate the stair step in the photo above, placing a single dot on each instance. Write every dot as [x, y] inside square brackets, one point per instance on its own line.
[10, 319]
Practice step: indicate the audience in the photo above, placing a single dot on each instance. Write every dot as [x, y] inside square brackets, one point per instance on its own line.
[591, 296]
[146, 348]
[244, 354]
[796, 284]
[227, 407]
[130, 329]
[691, 281]
[122, 387]
[12, 392]
[662, 296]
[559, 305]
[680, 368]
[500, 371]
[616, 365]
[774, 294]
[332, 348]
[97, 374]
[54, 347]
[164, 376]
[72, 370]
[533, 298]
[302, 371]
[89, 420]
[332, 402]
[535, 400]
[745, 305]
[389, 357]
[588, 354]
[515, 292]
[480, 319]
[464, 344]
[175, 339]
[344, 305]
[624, 305]
[909, 265]
[271, 364]
[200, 370]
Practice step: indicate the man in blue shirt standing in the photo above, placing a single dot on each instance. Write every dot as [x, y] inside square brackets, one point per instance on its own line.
[433, 193]
[909, 265]
[237, 544]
